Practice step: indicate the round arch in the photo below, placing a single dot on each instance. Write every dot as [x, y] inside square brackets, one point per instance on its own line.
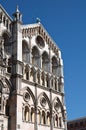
[36, 56]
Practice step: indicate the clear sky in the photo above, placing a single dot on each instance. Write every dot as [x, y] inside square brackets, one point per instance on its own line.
[65, 21]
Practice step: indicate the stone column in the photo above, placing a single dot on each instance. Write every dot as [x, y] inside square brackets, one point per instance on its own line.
[35, 107]
[51, 114]
[30, 37]
[50, 69]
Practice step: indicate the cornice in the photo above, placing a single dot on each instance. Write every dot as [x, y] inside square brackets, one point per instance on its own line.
[5, 12]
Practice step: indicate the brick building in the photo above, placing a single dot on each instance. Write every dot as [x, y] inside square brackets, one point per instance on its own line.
[77, 124]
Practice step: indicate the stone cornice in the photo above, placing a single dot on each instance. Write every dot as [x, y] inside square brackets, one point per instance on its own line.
[37, 28]
[7, 15]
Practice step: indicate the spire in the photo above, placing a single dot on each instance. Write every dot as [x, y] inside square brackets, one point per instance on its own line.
[17, 15]
[17, 9]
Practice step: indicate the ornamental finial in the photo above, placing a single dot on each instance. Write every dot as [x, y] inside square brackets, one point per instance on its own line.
[38, 20]
[17, 9]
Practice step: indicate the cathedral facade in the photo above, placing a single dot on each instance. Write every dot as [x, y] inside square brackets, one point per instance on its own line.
[31, 77]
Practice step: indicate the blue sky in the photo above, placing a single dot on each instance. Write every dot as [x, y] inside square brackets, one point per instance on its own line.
[65, 21]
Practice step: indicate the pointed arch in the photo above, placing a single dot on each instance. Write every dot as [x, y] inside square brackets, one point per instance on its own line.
[8, 84]
[30, 92]
[46, 97]
[56, 99]
[7, 44]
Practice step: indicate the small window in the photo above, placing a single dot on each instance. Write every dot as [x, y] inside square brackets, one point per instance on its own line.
[71, 125]
[81, 123]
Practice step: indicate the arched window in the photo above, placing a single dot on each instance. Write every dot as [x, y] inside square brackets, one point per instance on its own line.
[7, 44]
[35, 56]
[38, 116]
[60, 122]
[32, 75]
[59, 87]
[38, 77]
[56, 84]
[43, 79]
[54, 66]
[47, 81]
[25, 52]
[43, 118]
[52, 82]
[32, 114]
[27, 73]
[7, 108]
[56, 120]
[48, 118]
[9, 65]
[45, 62]
[26, 113]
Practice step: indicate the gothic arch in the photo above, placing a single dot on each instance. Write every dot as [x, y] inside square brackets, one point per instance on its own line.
[6, 32]
[31, 93]
[8, 83]
[60, 104]
[56, 98]
[7, 45]
[46, 97]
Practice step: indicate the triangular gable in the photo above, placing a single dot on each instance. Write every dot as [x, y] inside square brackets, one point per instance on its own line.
[37, 28]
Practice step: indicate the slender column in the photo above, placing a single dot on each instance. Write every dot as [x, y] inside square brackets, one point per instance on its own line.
[28, 73]
[23, 116]
[29, 114]
[35, 74]
[35, 106]
[54, 83]
[40, 117]
[30, 37]
[51, 114]
[50, 67]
